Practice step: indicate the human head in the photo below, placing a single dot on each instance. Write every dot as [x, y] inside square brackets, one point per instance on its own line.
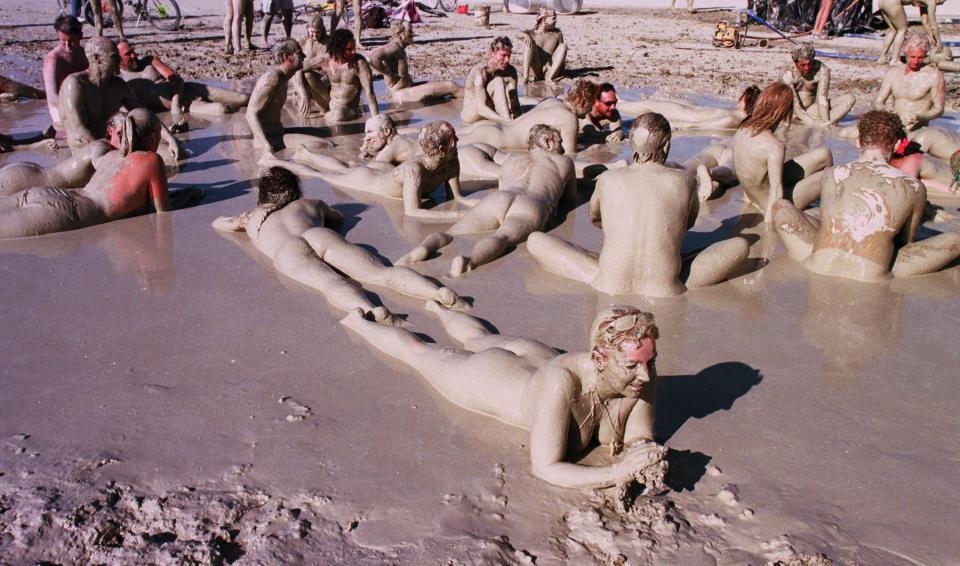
[879, 129]
[650, 138]
[803, 56]
[377, 132]
[403, 32]
[317, 30]
[916, 46]
[437, 139]
[138, 130]
[548, 17]
[341, 45]
[582, 95]
[278, 188]
[69, 32]
[773, 106]
[618, 328]
[605, 106]
[128, 55]
[748, 98]
[103, 57]
[542, 136]
[287, 53]
[500, 50]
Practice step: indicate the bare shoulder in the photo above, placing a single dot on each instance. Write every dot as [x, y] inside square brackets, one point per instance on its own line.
[560, 375]
[146, 159]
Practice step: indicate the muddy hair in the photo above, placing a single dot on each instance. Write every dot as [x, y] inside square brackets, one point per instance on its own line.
[803, 51]
[400, 28]
[434, 136]
[98, 47]
[606, 337]
[316, 22]
[538, 135]
[880, 129]
[583, 94]
[284, 47]
[338, 41]
[650, 138]
[501, 42]
[916, 40]
[135, 128]
[749, 98]
[278, 188]
[773, 106]
[67, 24]
[542, 14]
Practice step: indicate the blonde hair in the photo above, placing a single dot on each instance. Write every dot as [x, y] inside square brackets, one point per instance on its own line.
[135, 128]
[607, 334]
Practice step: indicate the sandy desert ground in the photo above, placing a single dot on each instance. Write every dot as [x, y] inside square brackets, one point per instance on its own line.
[166, 398]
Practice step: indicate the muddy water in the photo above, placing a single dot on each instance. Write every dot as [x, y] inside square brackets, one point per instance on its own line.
[160, 354]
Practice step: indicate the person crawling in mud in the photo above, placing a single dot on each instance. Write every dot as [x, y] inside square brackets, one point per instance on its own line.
[88, 99]
[566, 401]
[810, 79]
[870, 213]
[301, 237]
[127, 181]
[161, 88]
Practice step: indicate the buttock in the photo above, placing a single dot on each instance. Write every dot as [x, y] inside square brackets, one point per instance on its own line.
[51, 197]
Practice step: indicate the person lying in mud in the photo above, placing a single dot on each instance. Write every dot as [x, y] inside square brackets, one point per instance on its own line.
[644, 210]
[937, 176]
[301, 237]
[127, 181]
[411, 181]
[683, 115]
[71, 173]
[562, 115]
[11, 90]
[38, 142]
[544, 53]
[349, 74]
[490, 90]
[63, 60]
[810, 79]
[269, 94]
[531, 187]
[391, 61]
[917, 93]
[758, 156]
[161, 88]
[603, 123]
[309, 83]
[870, 213]
[566, 401]
[88, 99]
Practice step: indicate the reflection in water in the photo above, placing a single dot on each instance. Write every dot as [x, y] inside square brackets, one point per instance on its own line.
[141, 246]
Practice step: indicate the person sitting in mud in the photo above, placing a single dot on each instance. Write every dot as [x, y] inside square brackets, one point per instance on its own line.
[88, 99]
[11, 90]
[937, 176]
[917, 92]
[810, 79]
[870, 213]
[645, 210]
[566, 401]
[531, 187]
[391, 60]
[126, 182]
[684, 115]
[348, 73]
[602, 123]
[309, 83]
[301, 237]
[161, 88]
[64, 59]
[545, 53]
[268, 97]
[490, 90]
[563, 115]
[758, 156]
[411, 181]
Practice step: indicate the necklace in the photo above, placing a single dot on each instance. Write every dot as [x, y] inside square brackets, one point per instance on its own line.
[616, 446]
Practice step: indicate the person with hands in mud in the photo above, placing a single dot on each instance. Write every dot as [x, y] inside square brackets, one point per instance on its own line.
[566, 401]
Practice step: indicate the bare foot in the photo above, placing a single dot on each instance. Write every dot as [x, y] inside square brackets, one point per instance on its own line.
[416, 255]
[354, 319]
[450, 300]
[384, 316]
[459, 266]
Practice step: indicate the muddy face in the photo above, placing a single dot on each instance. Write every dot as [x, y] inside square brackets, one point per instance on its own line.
[500, 59]
[915, 59]
[69, 41]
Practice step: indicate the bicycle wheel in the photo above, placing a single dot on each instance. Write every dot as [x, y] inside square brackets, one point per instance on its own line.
[448, 5]
[567, 7]
[163, 14]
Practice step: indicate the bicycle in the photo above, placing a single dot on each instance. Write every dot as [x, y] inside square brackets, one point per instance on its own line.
[163, 15]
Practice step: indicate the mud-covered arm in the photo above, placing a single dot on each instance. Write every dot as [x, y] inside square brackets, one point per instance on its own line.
[616, 128]
[50, 86]
[259, 99]
[366, 81]
[481, 98]
[159, 193]
[938, 97]
[593, 209]
[568, 200]
[73, 113]
[823, 95]
[548, 441]
[513, 97]
[798, 110]
[413, 179]
[775, 175]
[886, 88]
[909, 231]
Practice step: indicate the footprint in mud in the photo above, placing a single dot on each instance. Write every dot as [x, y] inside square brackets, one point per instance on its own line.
[299, 410]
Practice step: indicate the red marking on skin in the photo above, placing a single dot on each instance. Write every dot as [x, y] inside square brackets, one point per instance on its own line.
[644, 352]
[133, 184]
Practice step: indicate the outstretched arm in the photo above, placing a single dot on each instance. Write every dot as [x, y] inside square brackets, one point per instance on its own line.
[412, 182]
[775, 174]
[232, 223]
[366, 81]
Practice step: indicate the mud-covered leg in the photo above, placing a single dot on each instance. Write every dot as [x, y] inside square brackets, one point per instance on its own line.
[717, 262]
[563, 258]
[927, 256]
[795, 229]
